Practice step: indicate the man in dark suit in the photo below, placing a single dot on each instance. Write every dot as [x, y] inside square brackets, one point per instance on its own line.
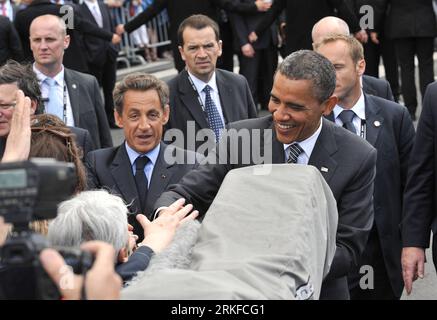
[300, 18]
[258, 60]
[182, 9]
[101, 54]
[10, 45]
[333, 25]
[14, 77]
[73, 96]
[420, 211]
[74, 56]
[388, 127]
[141, 168]
[228, 97]
[296, 133]
[412, 25]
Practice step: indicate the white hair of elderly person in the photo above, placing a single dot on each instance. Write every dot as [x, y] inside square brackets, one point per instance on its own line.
[99, 215]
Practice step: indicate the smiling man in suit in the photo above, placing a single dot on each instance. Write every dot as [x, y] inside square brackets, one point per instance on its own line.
[296, 132]
[72, 96]
[141, 168]
[203, 95]
[388, 127]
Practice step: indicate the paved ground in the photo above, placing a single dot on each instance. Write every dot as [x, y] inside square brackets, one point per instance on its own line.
[423, 289]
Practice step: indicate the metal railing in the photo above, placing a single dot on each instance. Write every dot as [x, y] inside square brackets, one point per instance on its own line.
[130, 53]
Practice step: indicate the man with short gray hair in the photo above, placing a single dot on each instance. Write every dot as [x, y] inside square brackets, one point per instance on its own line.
[99, 215]
[296, 132]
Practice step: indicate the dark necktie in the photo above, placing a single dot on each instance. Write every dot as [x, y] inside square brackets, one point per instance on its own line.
[214, 119]
[141, 181]
[346, 116]
[294, 152]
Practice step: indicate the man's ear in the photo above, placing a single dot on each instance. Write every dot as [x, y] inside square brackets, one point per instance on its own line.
[181, 51]
[361, 67]
[220, 44]
[122, 256]
[118, 119]
[66, 42]
[166, 114]
[33, 107]
[329, 105]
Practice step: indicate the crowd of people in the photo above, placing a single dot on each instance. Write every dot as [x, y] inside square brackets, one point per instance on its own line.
[327, 108]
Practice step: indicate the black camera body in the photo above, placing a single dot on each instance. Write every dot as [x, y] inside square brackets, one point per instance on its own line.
[31, 191]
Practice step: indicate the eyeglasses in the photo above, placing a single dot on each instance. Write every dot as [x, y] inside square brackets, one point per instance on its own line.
[7, 106]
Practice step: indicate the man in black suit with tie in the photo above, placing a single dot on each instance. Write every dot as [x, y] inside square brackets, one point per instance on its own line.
[420, 211]
[333, 25]
[14, 77]
[202, 96]
[73, 96]
[181, 9]
[388, 127]
[142, 167]
[297, 133]
[101, 54]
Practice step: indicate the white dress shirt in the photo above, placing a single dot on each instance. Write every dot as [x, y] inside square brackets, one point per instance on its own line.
[307, 145]
[94, 8]
[200, 85]
[8, 10]
[45, 89]
[360, 114]
[148, 169]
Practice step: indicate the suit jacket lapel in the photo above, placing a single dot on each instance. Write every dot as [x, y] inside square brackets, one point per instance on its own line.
[161, 177]
[105, 17]
[89, 14]
[190, 100]
[374, 121]
[73, 94]
[121, 171]
[324, 148]
[226, 97]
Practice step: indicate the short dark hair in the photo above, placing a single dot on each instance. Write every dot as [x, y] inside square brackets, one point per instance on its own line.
[310, 65]
[198, 22]
[26, 80]
[139, 82]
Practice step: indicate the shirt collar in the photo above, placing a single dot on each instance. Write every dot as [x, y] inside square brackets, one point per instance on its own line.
[91, 4]
[200, 85]
[59, 78]
[308, 144]
[359, 108]
[152, 154]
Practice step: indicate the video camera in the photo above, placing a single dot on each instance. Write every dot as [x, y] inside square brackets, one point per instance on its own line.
[31, 191]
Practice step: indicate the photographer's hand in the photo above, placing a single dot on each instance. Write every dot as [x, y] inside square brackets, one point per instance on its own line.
[102, 283]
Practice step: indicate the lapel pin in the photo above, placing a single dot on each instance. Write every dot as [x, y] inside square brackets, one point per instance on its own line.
[377, 123]
[74, 86]
[324, 169]
[163, 176]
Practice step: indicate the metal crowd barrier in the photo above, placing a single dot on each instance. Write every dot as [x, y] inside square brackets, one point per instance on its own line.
[129, 53]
